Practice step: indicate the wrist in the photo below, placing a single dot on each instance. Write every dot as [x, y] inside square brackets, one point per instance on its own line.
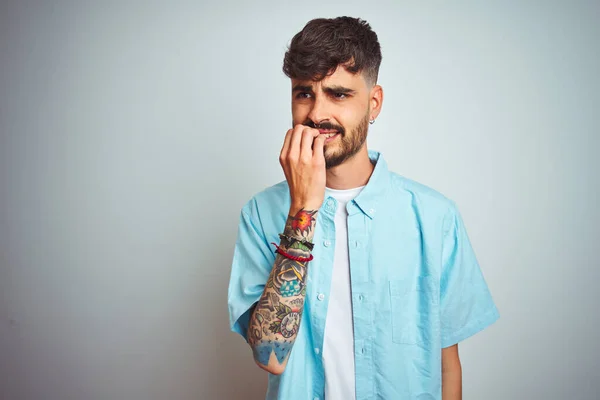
[301, 222]
[290, 241]
[306, 206]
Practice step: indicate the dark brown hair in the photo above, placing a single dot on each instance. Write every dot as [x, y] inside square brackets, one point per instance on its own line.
[324, 44]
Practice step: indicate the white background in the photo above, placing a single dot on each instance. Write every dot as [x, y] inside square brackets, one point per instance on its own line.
[132, 134]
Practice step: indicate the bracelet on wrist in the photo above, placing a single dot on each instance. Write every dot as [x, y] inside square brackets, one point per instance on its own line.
[292, 257]
[289, 241]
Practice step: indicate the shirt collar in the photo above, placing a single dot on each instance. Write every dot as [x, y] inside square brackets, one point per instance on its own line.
[378, 184]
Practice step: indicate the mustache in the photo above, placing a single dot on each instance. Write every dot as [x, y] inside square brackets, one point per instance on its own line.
[324, 125]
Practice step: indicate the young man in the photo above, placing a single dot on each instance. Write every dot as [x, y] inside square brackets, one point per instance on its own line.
[374, 281]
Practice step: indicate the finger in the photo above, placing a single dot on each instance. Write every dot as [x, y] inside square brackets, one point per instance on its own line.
[286, 145]
[295, 142]
[319, 147]
[308, 137]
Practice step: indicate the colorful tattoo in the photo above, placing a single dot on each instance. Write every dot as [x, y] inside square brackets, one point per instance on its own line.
[256, 328]
[299, 246]
[303, 222]
[287, 321]
[299, 302]
[275, 320]
[289, 276]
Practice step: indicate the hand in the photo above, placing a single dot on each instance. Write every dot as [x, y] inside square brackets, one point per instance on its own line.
[303, 164]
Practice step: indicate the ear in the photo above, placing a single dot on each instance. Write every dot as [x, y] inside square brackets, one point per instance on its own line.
[375, 101]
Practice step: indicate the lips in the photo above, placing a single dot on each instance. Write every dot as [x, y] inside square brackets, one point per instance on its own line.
[328, 133]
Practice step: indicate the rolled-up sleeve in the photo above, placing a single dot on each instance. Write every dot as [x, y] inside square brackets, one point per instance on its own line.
[250, 269]
[467, 306]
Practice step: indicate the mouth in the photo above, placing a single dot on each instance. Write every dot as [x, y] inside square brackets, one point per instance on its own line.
[328, 133]
[331, 137]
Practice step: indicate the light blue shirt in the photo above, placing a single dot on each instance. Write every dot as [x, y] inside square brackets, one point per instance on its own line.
[416, 286]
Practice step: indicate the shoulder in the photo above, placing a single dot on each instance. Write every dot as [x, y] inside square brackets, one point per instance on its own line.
[270, 203]
[432, 208]
[422, 196]
[434, 214]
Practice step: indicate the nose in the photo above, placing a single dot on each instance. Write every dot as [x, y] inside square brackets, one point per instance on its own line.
[318, 113]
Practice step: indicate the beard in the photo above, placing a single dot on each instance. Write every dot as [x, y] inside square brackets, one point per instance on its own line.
[340, 151]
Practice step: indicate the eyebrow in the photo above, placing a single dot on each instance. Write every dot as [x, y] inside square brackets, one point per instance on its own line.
[302, 88]
[326, 89]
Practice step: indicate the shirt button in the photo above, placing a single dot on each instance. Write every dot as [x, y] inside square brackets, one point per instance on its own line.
[317, 351]
[360, 297]
[326, 243]
[372, 211]
[321, 297]
[316, 398]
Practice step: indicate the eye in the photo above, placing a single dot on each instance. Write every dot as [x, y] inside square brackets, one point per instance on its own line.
[303, 95]
[339, 95]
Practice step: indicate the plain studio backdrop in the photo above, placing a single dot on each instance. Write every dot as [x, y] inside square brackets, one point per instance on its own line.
[133, 133]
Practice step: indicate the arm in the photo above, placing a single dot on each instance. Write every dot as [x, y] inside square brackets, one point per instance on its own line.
[276, 317]
[451, 374]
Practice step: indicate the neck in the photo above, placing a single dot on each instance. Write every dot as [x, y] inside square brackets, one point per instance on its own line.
[352, 173]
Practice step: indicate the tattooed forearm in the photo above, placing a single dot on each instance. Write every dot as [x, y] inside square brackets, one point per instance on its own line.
[275, 319]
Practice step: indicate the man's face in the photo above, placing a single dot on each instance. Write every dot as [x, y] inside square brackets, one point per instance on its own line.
[338, 106]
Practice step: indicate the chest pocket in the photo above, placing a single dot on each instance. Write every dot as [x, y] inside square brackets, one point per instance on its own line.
[415, 311]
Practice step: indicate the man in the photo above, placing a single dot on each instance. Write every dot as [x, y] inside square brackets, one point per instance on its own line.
[373, 282]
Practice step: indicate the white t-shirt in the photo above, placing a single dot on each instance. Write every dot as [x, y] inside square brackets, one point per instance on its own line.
[338, 341]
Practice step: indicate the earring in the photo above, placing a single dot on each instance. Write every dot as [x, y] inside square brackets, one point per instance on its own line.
[372, 121]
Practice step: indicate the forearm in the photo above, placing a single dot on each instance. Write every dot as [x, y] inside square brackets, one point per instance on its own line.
[276, 317]
[452, 385]
[451, 374]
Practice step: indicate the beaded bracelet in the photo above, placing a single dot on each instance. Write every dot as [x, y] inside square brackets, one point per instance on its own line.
[289, 240]
[291, 257]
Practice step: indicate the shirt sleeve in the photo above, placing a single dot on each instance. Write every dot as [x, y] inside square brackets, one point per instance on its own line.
[466, 303]
[250, 269]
